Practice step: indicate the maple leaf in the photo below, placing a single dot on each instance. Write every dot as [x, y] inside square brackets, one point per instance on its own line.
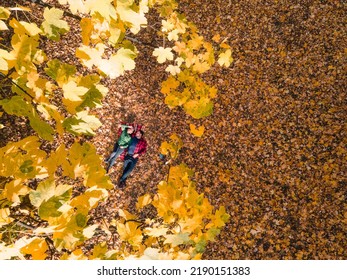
[3, 26]
[117, 64]
[130, 232]
[173, 69]
[190, 59]
[168, 85]
[73, 95]
[221, 217]
[43, 129]
[13, 190]
[37, 248]
[173, 35]
[163, 54]
[60, 72]
[89, 198]
[156, 232]
[180, 48]
[25, 53]
[199, 108]
[171, 148]
[102, 7]
[128, 15]
[201, 66]
[5, 56]
[82, 123]
[91, 56]
[53, 25]
[75, 5]
[197, 131]
[177, 98]
[47, 190]
[23, 27]
[4, 13]
[166, 25]
[5, 216]
[143, 201]
[216, 38]
[177, 239]
[196, 41]
[16, 106]
[225, 58]
[86, 30]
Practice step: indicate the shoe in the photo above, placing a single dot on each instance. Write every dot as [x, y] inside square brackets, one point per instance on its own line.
[121, 184]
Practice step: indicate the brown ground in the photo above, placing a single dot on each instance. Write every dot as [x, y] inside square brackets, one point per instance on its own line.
[274, 153]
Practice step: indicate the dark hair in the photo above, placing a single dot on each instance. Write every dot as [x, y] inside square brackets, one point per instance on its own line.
[142, 132]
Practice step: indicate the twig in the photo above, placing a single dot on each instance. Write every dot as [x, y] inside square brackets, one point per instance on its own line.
[138, 41]
[14, 83]
[24, 225]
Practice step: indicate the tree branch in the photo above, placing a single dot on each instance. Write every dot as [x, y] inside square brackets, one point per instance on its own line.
[14, 83]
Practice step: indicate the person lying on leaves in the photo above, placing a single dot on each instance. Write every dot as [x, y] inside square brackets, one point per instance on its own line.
[121, 144]
[137, 147]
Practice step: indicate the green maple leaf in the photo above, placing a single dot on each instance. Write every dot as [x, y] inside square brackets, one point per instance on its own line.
[16, 106]
[42, 128]
[82, 123]
[54, 26]
[60, 72]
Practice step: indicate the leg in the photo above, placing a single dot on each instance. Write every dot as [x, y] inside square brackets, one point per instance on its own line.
[129, 165]
[115, 148]
[113, 157]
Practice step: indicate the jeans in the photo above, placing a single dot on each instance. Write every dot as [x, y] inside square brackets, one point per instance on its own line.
[129, 165]
[117, 151]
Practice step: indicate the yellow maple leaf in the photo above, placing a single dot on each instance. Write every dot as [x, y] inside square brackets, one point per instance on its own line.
[173, 69]
[4, 60]
[73, 95]
[201, 66]
[197, 131]
[166, 25]
[5, 216]
[225, 58]
[130, 232]
[143, 201]
[36, 248]
[91, 56]
[102, 7]
[216, 38]
[180, 47]
[75, 5]
[170, 84]
[163, 54]
[190, 59]
[196, 42]
[86, 30]
[14, 189]
[156, 232]
[128, 14]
